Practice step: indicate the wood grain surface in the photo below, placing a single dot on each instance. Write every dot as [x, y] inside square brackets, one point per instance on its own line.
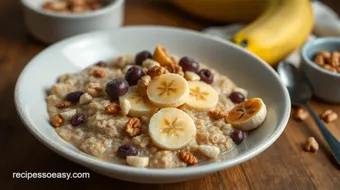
[283, 166]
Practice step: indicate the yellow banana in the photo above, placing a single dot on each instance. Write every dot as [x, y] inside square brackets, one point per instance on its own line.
[281, 26]
[275, 35]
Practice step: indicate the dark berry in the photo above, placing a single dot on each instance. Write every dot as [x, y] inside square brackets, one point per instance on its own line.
[142, 56]
[127, 150]
[117, 87]
[101, 64]
[74, 96]
[189, 64]
[237, 136]
[77, 119]
[206, 76]
[133, 75]
[236, 97]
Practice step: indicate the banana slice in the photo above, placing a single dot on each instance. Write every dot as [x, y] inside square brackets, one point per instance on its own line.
[168, 90]
[248, 115]
[171, 128]
[139, 105]
[202, 96]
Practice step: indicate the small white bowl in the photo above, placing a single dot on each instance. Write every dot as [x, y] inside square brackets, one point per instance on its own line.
[51, 27]
[74, 54]
[325, 84]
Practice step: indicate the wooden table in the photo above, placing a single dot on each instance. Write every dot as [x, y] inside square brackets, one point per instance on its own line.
[283, 166]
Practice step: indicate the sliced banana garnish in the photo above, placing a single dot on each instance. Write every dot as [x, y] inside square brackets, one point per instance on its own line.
[168, 90]
[139, 105]
[248, 115]
[202, 97]
[171, 128]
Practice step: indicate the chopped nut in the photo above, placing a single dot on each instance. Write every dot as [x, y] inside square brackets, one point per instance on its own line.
[156, 71]
[142, 84]
[191, 76]
[149, 63]
[174, 68]
[98, 73]
[94, 89]
[335, 60]
[301, 114]
[136, 161]
[67, 115]
[319, 60]
[79, 9]
[125, 106]
[57, 120]
[209, 151]
[64, 104]
[325, 54]
[218, 113]
[112, 108]
[329, 116]
[311, 145]
[133, 127]
[188, 158]
[85, 98]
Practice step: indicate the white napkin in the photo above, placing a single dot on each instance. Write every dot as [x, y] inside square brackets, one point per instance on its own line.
[326, 23]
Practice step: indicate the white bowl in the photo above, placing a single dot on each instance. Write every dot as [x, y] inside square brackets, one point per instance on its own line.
[74, 54]
[51, 27]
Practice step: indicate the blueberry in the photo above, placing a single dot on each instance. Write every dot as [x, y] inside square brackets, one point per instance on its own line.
[142, 56]
[133, 75]
[74, 96]
[77, 119]
[206, 76]
[189, 64]
[236, 97]
[117, 87]
[237, 136]
[127, 150]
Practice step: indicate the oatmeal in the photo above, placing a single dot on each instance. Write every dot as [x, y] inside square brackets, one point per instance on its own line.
[152, 110]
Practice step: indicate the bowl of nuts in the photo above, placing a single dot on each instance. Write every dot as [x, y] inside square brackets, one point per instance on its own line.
[53, 20]
[321, 65]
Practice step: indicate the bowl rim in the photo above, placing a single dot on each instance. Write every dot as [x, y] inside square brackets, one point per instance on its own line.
[92, 162]
[109, 7]
[313, 43]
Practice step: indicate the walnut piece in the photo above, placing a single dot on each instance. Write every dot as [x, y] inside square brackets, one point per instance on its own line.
[156, 71]
[188, 158]
[99, 73]
[329, 116]
[133, 126]
[57, 120]
[218, 113]
[112, 108]
[311, 145]
[63, 104]
[149, 63]
[174, 68]
[94, 89]
[301, 114]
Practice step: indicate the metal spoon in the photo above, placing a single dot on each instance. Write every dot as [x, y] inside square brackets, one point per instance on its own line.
[300, 93]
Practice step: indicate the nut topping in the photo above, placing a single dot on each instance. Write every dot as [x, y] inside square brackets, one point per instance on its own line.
[188, 158]
[63, 104]
[57, 120]
[112, 108]
[311, 145]
[328, 116]
[133, 127]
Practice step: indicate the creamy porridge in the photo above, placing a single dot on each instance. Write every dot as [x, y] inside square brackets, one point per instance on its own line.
[152, 110]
